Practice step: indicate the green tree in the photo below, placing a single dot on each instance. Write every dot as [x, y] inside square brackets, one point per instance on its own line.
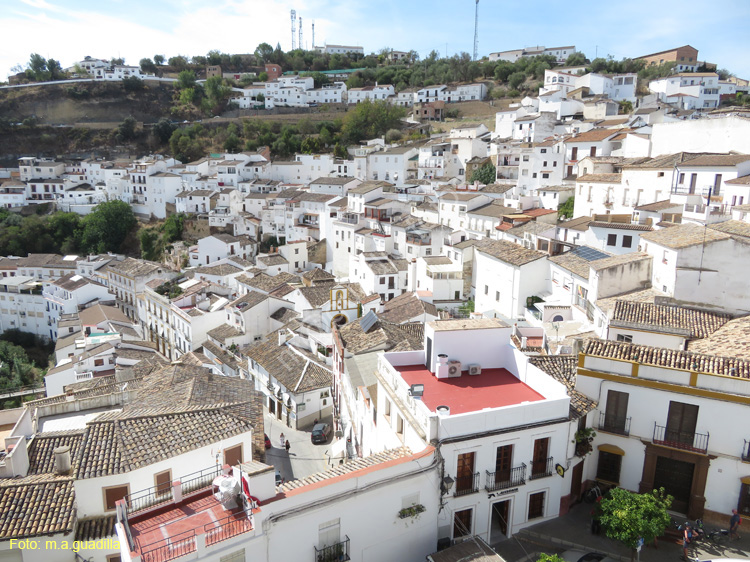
[310, 145]
[158, 60]
[233, 143]
[150, 247]
[217, 92]
[566, 209]
[549, 558]
[126, 129]
[263, 76]
[178, 63]
[105, 229]
[576, 59]
[132, 84]
[263, 53]
[148, 66]
[626, 107]
[173, 227]
[485, 175]
[516, 79]
[163, 130]
[185, 79]
[628, 517]
[370, 120]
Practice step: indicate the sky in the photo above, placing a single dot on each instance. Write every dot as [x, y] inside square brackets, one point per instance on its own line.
[68, 30]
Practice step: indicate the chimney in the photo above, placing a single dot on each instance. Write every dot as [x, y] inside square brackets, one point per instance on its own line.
[381, 307]
[523, 342]
[577, 346]
[62, 459]
[282, 337]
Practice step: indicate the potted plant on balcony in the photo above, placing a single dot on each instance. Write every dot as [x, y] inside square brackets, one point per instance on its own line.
[334, 553]
[412, 511]
[583, 439]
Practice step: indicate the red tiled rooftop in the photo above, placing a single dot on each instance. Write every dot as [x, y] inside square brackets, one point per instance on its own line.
[494, 388]
[177, 526]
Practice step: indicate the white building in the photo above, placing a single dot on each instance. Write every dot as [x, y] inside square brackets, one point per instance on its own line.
[499, 471]
[690, 90]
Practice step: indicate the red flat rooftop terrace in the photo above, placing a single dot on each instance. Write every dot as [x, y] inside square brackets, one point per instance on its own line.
[170, 532]
[494, 388]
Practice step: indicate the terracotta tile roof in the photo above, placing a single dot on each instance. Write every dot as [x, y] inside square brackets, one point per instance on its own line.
[573, 263]
[285, 315]
[317, 274]
[642, 295]
[733, 227]
[42, 446]
[220, 269]
[267, 283]
[346, 468]
[730, 340]
[492, 210]
[563, 369]
[508, 252]
[657, 206]
[32, 507]
[717, 160]
[694, 323]
[381, 335]
[620, 226]
[135, 268]
[684, 236]
[743, 180]
[96, 528]
[600, 178]
[672, 358]
[405, 307]
[224, 331]
[275, 259]
[594, 135]
[289, 367]
[578, 223]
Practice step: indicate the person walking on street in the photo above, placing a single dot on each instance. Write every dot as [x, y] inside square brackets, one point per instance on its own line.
[687, 535]
[734, 524]
[287, 446]
[282, 439]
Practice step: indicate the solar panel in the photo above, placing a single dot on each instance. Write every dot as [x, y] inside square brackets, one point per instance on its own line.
[589, 254]
[367, 321]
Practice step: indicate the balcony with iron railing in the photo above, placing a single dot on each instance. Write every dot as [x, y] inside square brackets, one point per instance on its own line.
[338, 552]
[163, 550]
[541, 468]
[687, 441]
[466, 484]
[614, 424]
[504, 479]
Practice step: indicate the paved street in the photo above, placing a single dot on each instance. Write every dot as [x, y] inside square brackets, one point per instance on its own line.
[573, 531]
[303, 459]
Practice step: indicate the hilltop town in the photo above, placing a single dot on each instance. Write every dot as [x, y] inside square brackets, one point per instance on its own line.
[380, 349]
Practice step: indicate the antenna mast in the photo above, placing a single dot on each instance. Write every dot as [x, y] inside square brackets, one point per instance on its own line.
[313, 34]
[476, 30]
[300, 44]
[294, 29]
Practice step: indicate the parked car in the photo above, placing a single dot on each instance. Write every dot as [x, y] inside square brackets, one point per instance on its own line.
[581, 556]
[320, 433]
[267, 440]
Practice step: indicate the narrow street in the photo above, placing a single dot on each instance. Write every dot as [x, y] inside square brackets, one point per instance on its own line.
[304, 458]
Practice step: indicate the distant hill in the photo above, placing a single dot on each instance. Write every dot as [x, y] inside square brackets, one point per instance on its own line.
[71, 103]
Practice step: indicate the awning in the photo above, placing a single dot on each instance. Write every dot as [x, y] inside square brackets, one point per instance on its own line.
[614, 449]
[745, 480]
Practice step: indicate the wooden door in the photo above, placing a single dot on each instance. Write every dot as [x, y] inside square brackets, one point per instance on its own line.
[462, 523]
[577, 481]
[465, 472]
[541, 450]
[503, 462]
[681, 422]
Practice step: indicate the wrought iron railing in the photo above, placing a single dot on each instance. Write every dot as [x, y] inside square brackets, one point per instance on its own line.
[338, 552]
[541, 468]
[466, 484]
[226, 528]
[199, 480]
[169, 548]
[614, 424]
[502, 480]
[150, 497]
[689, 441]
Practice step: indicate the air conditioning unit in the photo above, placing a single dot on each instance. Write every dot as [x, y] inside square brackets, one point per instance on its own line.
[454, 368]
[475, 369]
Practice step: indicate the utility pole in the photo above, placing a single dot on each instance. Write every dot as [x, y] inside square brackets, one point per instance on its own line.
[313, 34]
[476, 30]
[294, 29]
[300, 44]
